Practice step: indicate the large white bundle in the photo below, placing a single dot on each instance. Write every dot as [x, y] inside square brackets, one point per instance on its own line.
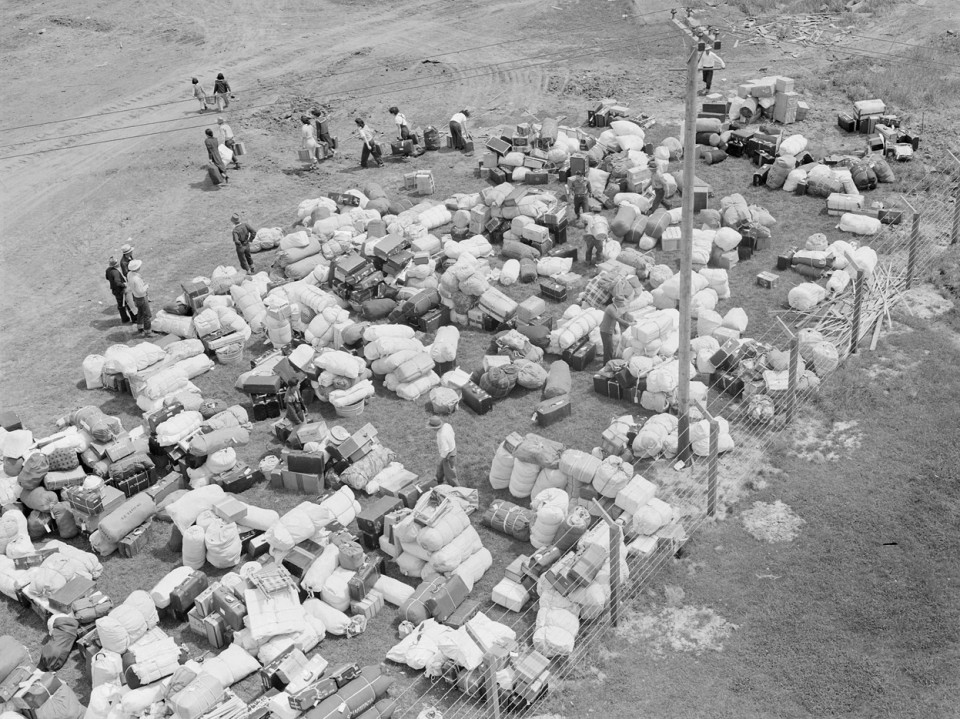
[650, 439]
[195, 366]
[859, 224]
[510, 272]
[703, 301]
[454, 553]
[793, 145]
[194, 548]
[445, 344]
[306, 208]
[727, 239]
[295, 240]
[614, 474]
[184, 511]
[341, 363]
[321, 569]
[472, 569]
[223, 544]
[178, 427]
[357, 393]
[335, 621]
[383, 346]
[501, 468]
[736, 319]
[420, 386]
[866, 259]
[551, 507]
[548, 479]
[552, 266]
[672, 286]
[247, 298]
[717, 280]
[160, 594]
[637, 493]
[336, 590]
[436, 216]
[522, 478]
[805, 296]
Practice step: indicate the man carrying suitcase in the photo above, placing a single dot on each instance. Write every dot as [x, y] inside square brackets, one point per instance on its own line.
[447, 446]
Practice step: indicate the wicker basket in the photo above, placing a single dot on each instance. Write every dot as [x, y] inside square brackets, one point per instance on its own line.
[231, 354]
[350, 410]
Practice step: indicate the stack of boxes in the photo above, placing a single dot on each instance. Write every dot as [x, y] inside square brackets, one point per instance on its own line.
[217, 613]
[532, 312]
[392, 254]
[303, 473]
[420, 181]
[354, 278]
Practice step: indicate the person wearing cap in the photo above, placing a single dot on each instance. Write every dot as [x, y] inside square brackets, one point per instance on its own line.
[225, 135]
[447, 446]
[458, 129]
[657, 183]
[221, 91]
[118, 286]
[213, 153]
[137, 289]
[308, 139]
[126, 257]
[370, 146]
[200, 94]
[243, 235]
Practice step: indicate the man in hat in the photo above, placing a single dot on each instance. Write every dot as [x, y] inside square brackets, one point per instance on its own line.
[225, 135]
[213, 153]
[447, 446]
[126, 257]
[243, 235]
[137, 289]
[657, 183]
[118, 286]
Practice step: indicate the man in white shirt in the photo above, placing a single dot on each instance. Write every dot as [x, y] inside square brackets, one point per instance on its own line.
[708, 61]
[225, 133]
[447, 447]
[370, 147]
[138, 291]
[458, 129]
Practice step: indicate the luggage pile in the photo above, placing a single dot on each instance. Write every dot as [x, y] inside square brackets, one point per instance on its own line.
[403, 362]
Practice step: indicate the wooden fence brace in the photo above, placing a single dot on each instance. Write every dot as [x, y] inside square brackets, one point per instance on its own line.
[913, 244]
[793, 373]
[713, 461]
[491, 685]
[955, 232]
[616, 539]
[857, 304]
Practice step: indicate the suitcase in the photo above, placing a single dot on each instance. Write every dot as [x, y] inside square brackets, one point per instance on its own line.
[846, 121]
[370, 519]
[213, 172]
[305, 462]
[414, 609]
[155, 419]
[363, 580]
[278, 673]
[239, 149]
[554, 409]
[184, 595]
[412, 492]
[463, 614]
[553, 290]
[580, 355]
[430, 321]
[476, 398]
[78, 587]
[444, 602]
[311, 695]
[262, 384]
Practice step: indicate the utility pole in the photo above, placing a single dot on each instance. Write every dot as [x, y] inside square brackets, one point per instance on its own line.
[699, 37]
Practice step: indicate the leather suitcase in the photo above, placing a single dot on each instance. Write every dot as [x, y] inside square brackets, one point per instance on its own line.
[278, 673]
[444, 601]
[430, 321]
[184, 595]
[232, 609]
[413, 491]
[362, 582]
[582, 355]
[78, 587]
[155, 419]
[311, 695]
[554, 409]
[305, 462]
[463, 614]
[370, 519]
[476, 398]
[553, 290]
[236, 480]
[262, 384]
[414, 609]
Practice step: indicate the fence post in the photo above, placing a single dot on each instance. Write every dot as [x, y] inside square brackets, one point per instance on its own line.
[793, 374]
[913, 248]
[713, 460]
[857, 303]
[491, 685]
[955, 233]
[616, 538]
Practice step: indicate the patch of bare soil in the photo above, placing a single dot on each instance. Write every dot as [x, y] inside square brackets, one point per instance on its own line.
[771, 523]
[926, 303]
[694, 630]
[591, 85]
[817, 441]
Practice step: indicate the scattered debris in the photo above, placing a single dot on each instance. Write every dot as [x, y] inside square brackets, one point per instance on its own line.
[772, 523]
[681, 629]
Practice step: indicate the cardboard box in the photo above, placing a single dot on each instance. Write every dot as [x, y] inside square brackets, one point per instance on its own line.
[230, 509]
[767, 280]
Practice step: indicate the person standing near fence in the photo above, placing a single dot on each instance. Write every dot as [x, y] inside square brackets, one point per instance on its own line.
[370, 147]
[709, 60]
[199, 93]
[221, 91]
[458, 129]
[138, 289]
[447, 447]
[243, 235]
[226, 137]
[213, 152]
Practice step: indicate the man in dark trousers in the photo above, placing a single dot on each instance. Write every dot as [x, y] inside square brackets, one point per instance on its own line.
[138, 289]
[613, 315]
[709, 60]
[213, 153]
[580, 188]
[118, 286]
[243, 235]
[659, 189]
[447, 447]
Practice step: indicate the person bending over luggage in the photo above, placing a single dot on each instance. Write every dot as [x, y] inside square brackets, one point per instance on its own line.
[137, 289]
[213, 153]
[323, 132]
[118, 286]
[657, 183]
[308, 139]
[594, 244]
[458, 129]
[581, 192]
[225, 135]
[370, 147]
[447, 446]
[613, 315]
[296, 410]
[243, 235]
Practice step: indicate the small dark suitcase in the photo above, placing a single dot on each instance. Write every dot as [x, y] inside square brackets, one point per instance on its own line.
[846, 121]
[213, 172]
[183, 596]
[238, 479]
[553, 410]
[476, 398]
[463, 614]
[370, 519]
[444, 601]
[570, 252]
[431, 321]
[553, 290]
[410, 494]
[305, 462]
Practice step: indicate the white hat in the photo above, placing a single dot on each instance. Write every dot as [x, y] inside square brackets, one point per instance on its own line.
[135, 265]
[16, 443]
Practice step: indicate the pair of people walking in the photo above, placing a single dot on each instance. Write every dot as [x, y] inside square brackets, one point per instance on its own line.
[220, 97]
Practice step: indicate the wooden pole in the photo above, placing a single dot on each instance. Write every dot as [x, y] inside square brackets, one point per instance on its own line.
[713, 461]
[955, 233]
[792, 379]
[616, 538]
[491, 685]
[686, 256]
[914, 247]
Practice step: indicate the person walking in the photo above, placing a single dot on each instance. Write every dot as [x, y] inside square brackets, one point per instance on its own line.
[308, 139]
[221, 91]
[126, 257]
[213, 153]
[118, 286]
[370, 147]
[658, 185]
[613, 316]
[243, 235]
[447, 447]
[199, 93]
[226, 137]
[137, 289]
[580, 189]
[458, 129]
[709, 60]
